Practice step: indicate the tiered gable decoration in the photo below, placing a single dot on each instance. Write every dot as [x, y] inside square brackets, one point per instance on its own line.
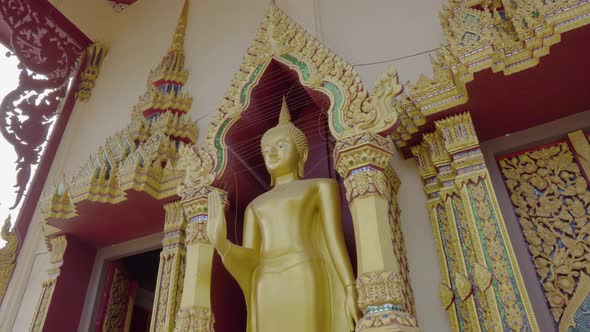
[142, 156]
[504, 36]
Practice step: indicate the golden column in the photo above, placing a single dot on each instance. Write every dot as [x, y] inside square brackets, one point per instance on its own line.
[363, 160]
[171, 270]
[455, 287]
[195, 313]
[481, 286]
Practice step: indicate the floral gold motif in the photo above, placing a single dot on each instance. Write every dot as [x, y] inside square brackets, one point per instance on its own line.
[194, 319]
[552, 200]
[171, 270]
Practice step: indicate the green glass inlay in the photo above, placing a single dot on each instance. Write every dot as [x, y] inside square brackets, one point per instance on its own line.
[337, 106]
[300, 64]
[218, 145]
[464, 236]
[246, 90]
[494, 220]
[443, 226]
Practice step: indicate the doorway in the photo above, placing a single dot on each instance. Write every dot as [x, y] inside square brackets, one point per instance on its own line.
[128, 293]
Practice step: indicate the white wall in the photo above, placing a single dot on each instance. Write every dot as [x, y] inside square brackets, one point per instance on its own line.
[219, 32]
[33, 288]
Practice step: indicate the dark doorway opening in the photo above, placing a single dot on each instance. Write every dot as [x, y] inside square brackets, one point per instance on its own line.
[128, 293]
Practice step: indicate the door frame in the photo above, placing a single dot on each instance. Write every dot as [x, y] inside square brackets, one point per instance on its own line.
[99, 269]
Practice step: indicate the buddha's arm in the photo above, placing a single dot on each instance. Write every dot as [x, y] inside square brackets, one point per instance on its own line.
[241, 261]
[332, 223]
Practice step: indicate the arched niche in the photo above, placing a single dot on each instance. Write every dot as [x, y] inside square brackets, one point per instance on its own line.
[327, 100]
[244, 174]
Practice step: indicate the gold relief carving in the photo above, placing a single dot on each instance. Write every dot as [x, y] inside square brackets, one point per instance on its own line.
[552, 200]
[194, 319]
[196, 231]
[459, 184]
[581, 147]
[425, 165]
[496, 250]
[437, 151]
[388, 321]
[281, 39]
[58, 248]
[38, 321]
[398, 240]
[510, 41]
[446, 295]
[383, 95]
[457, 133]
[365, 183]
[365, 149]
[464, 286]
[169, 289]
[141, 156]
[377, 288]
[483, 277]
[171, 269]
[198, 165]
[117, 306]
[165, 283]
[7, 256]
[195, 203]
[95, 54]
[579, 301]
[177, 125]
[361, 160]
[174, 218]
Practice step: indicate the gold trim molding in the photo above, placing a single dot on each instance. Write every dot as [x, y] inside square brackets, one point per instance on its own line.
[479, 39]
[281, 39]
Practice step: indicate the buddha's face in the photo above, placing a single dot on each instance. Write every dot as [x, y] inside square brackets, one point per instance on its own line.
[280, 155]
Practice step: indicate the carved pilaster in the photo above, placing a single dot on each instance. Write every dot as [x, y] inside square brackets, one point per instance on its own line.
[385, 296]
[483, 288]
[171, 270]
[195, 308]
[438, 175]
[57, 250]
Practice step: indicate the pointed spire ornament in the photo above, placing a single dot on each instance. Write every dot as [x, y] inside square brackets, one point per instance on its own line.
[177, 44]
[285, 116]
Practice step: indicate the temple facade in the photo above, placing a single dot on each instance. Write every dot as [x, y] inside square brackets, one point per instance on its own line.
[455, 133]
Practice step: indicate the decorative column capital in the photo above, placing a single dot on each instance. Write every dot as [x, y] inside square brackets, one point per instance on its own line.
[174, 226]
[458, 133]
[362, 160]
[426, 167]
[196, 212]
[460, 140]
[439, 155]
[366, 149]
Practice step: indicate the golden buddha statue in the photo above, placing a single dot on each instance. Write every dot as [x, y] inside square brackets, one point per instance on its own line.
[292, 267]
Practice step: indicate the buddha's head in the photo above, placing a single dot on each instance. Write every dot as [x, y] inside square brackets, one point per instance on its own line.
[284, 147]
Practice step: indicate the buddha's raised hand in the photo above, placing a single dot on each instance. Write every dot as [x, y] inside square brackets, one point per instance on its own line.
[216, 228]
